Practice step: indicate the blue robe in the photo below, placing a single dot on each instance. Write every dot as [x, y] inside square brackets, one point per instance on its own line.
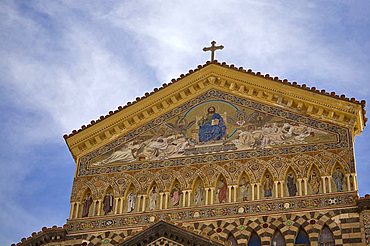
[209, 132]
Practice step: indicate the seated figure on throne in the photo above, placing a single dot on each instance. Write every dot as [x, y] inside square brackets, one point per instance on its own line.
[211, 126]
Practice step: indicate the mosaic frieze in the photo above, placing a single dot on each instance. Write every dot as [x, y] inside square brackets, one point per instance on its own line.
[214, 127]
[254, 208]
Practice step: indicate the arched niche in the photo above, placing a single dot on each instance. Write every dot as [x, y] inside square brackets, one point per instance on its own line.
[175, 199]
[267, 185]
[338, 181]
[198, 192]
[87, 204]
[108, 201]
[302, 238]
[254, 240]
[221, 190]
[314, 180]
[244, 192]
[278, 239]
[291, 182]
[130, 202]
[326, 237]
[152, 202]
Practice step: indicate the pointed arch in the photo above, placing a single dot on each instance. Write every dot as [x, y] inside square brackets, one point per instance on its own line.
[88, 184]
[124, 180]
[254, 240]
[278, 239]
[302, 237]
[221, 189]
[232, 240]
[291, 182]
[243, 187]
[267, 183]
[326, 237]
[245, 167]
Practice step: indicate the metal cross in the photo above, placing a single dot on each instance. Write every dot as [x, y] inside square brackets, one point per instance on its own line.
[213, 48]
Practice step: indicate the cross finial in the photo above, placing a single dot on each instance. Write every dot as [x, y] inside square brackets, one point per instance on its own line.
[213, 48]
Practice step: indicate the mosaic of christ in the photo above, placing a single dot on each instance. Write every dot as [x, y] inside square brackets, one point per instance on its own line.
[214, 126]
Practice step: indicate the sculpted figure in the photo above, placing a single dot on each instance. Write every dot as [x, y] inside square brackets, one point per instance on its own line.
[267, 185]
[108, 203]
[244, 187]
[175, 195]
[198, 195]
[211, 126]
[86, 207]
[338, 178]
[314, 182]
[153, 199]
[131, 201]
[292, 187]
[222, 191]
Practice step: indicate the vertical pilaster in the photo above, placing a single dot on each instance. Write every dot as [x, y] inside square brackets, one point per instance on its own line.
[71, 209]
[348, 182]
[253, 188]
[354, 179]
[121, 205]
[183, 198]
[115, 205]
[258, 191]
[77, 209]
[330, 183]
[99, 207]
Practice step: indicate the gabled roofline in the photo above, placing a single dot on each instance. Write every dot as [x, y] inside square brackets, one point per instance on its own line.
[233, 67]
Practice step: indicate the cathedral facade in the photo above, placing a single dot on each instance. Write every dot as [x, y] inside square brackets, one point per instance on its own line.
[219, 156]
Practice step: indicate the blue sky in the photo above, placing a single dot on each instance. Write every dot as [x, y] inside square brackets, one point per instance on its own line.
[65, 63]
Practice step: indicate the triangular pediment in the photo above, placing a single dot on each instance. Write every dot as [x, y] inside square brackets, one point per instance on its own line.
[183, 103]
[163, 233]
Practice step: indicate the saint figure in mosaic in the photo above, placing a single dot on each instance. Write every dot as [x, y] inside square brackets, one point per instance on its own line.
[86, 207]
[211, 126]
[175, 195]
[267, 186]
[108, 203]
[244, 187]
[131, 201]
[222, 190]
[314, 182]
[198, 196]
[292, 187]
[338, 178]
[153, 199]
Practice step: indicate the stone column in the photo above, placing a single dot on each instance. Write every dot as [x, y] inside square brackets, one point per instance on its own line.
[143, 204]
[305, 186]
[161, 194]
[184, 198]
[121, 205]
[330, 183]
[72, 210]
[94, 208]
[323, 184]
[115, 205]
[189, 197]
[354, 179]
[282, 183]
[235, 187]
[166, 195]
[212, 191]
[229, 192]
[77, 209]
[99, 207]
[253, 186]
[299, 187]
[348, 182]
[258, 191]
[206, 201]
[276, 189]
